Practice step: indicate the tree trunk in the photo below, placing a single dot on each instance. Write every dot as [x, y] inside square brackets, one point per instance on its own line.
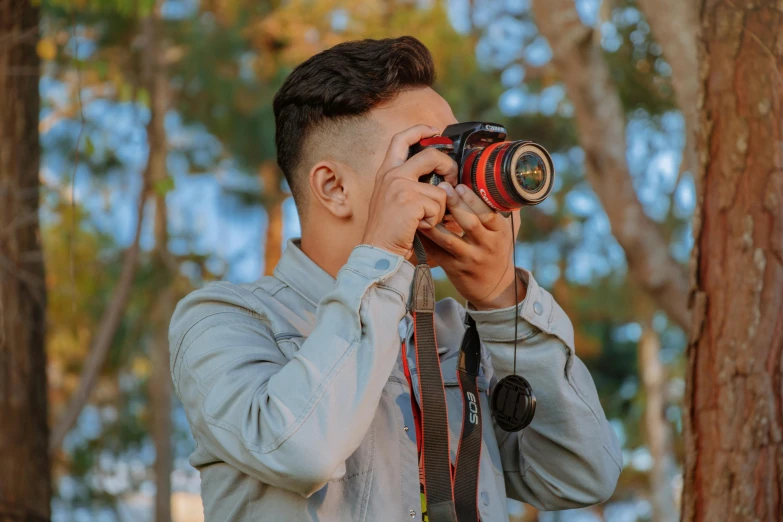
[160, 396]
[273, 199]
[600, 122]
[25, 488]
[160, 379]
[734, 412]
[656, 427]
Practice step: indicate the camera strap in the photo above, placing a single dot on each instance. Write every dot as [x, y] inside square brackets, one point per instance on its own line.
[451, 497]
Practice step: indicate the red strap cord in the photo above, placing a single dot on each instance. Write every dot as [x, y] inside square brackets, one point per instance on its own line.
[414, 404]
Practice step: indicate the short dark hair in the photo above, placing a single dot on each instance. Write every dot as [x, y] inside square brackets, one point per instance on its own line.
[340, 83]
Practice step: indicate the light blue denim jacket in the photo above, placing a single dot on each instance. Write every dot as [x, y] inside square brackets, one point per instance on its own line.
[300, 409]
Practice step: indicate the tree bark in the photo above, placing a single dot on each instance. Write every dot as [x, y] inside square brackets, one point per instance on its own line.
[656, 427]
[600, 123]
[273, 199]
[733, 406]
[25, 488]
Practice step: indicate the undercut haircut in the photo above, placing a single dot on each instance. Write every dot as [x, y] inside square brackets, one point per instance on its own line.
[340, 85]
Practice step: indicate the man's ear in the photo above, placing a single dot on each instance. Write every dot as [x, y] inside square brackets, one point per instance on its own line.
[329, 185]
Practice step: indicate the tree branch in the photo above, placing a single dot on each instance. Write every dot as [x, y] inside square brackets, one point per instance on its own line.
[106, 330]
[160, 379]
[600, 122]
[674, 25]
[656, 428]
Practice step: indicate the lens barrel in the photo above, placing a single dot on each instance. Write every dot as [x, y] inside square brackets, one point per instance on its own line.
[510, 174]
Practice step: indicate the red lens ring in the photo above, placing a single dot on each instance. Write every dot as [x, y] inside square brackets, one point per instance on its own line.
[500, 193]
[481, 185]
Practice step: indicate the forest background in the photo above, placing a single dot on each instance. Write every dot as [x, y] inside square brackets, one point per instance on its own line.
[157, 175]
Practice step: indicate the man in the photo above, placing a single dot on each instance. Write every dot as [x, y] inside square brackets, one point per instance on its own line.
[295, 386]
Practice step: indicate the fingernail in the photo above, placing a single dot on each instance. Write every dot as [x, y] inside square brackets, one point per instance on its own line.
[461, 189]
[447, 188]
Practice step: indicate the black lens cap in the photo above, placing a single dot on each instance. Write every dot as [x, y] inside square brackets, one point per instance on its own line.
[513, 403]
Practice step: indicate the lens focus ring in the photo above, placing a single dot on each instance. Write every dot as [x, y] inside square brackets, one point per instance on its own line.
[492, 187]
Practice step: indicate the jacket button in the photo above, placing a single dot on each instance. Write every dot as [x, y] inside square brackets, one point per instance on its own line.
[405, 428]
[537, 308]
[485, 498]
[382, 264]
[413, 513]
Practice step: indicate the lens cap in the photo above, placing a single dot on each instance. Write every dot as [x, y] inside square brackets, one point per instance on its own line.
[513, 403]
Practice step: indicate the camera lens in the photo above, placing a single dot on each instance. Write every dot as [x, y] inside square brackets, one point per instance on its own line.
[508, 175]
[530, 171]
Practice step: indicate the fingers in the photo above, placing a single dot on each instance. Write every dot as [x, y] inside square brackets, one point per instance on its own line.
[427, 161]
[435, 254]
[427, 202]
[463, 215]
[488, 218]
[448, 241]
[432, 211]
[401, 142]
[433, 192]
[436, 197]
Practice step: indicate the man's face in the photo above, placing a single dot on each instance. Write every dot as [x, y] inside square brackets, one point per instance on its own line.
[409, 108]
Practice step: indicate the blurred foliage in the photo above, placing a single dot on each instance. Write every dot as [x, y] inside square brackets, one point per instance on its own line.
[225, 59]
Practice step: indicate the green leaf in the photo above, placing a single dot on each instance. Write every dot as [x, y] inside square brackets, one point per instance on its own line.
[163, 186]
[89, 146]
[143, 97]
[126, 92]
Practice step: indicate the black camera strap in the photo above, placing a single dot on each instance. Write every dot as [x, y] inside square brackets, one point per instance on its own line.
[466, 473]
[449, 498]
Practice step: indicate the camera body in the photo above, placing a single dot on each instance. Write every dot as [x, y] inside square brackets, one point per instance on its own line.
[507, 175]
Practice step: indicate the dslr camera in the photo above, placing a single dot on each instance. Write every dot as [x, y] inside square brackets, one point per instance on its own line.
[507, 175]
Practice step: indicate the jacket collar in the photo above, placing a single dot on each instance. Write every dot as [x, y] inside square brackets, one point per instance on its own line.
[302, 274]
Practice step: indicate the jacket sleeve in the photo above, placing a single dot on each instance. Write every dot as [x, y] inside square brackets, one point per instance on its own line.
[568, 456]
[290, 423]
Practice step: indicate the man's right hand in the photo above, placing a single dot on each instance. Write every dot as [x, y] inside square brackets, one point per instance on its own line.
[400, 204]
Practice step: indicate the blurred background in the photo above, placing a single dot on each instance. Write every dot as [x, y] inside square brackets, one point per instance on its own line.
[158, 173]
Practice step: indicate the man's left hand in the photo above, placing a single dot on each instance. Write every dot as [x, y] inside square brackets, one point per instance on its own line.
[479, 261]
